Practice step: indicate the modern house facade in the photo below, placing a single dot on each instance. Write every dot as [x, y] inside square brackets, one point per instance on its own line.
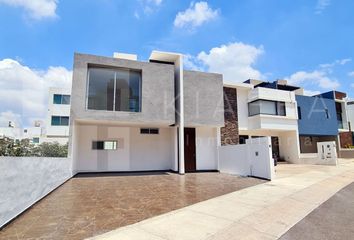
[129, 115]
[317, 120]
[268, 109]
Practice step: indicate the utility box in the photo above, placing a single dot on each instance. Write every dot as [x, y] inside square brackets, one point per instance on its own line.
[327, 153]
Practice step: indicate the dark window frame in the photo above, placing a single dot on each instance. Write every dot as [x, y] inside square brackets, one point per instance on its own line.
[153, 131]
[100, 145]
[115, 70]
[61, 120]
[61, 96]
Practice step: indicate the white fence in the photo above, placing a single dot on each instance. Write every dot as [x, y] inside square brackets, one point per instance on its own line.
[251, 159]
[25, 180]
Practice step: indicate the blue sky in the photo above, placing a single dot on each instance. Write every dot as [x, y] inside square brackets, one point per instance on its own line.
[308, 42]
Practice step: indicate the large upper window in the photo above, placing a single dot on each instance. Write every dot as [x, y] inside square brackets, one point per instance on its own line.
[61, 99]
[114, 90]
[266, 107]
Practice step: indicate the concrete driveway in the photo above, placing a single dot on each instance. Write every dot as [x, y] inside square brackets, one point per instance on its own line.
[90, 204]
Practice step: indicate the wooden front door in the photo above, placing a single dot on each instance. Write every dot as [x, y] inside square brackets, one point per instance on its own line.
[189, 150]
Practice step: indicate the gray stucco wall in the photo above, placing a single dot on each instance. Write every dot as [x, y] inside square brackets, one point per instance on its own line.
[203, 99]
[157, 101]
[23, 181]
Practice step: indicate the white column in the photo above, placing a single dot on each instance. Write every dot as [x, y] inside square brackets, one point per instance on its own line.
[179, 68]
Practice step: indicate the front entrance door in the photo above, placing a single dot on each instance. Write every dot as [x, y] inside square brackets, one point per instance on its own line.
[275, 149]
[189, 150]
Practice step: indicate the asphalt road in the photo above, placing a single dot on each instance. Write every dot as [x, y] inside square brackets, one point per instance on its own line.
[333, 220]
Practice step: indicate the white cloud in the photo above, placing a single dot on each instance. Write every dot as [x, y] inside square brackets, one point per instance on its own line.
[197, 14]
[311, 93]
[36, 9]
[351, 74]
[322, 5]
[335, 63]
[234, 60]
[321, 77]
[24, 91]
[192, 63]
[317, 78]
[6, 117]
[147, 7]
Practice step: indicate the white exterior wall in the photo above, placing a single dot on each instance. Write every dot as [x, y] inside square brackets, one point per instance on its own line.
[135, 152]
[350, 113]
[151, 151]
[289, 146]
[57, 133]
[251, 159]
[206, 148]
[242, 108]
[271, 94]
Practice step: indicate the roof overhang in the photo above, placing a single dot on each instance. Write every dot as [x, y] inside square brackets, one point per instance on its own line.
[165, 56]
[238, 85]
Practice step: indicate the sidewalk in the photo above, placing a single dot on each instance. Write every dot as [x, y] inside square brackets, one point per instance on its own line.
[264, 211]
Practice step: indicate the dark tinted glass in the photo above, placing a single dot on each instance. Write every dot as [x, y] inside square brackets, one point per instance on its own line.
[65, 99]
[144, 130]
[55, 120]
[64, 121]
[57, 99]
[154, 131]
[101, 89]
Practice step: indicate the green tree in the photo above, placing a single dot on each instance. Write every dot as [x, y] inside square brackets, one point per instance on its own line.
[24, 148]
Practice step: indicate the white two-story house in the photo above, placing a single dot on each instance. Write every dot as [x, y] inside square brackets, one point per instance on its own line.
[130, 115]
[57, 122]
[268, 109]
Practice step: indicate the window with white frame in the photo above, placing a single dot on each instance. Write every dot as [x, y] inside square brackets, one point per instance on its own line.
[105, 145]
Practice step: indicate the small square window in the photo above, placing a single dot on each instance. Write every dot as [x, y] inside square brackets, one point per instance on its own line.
[35, 140]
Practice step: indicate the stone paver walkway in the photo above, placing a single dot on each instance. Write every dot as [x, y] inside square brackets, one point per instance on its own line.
[91, 205]
[265, 211]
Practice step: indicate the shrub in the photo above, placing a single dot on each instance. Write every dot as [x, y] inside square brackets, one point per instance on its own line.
[24, 148]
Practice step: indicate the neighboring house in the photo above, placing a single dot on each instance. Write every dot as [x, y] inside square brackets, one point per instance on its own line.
[344, 133]
[57, 125]
[294, 122]
[350, 113]
[317, 123]
[129, 115]
[347, 137]
[266, 109]
[35, 133]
